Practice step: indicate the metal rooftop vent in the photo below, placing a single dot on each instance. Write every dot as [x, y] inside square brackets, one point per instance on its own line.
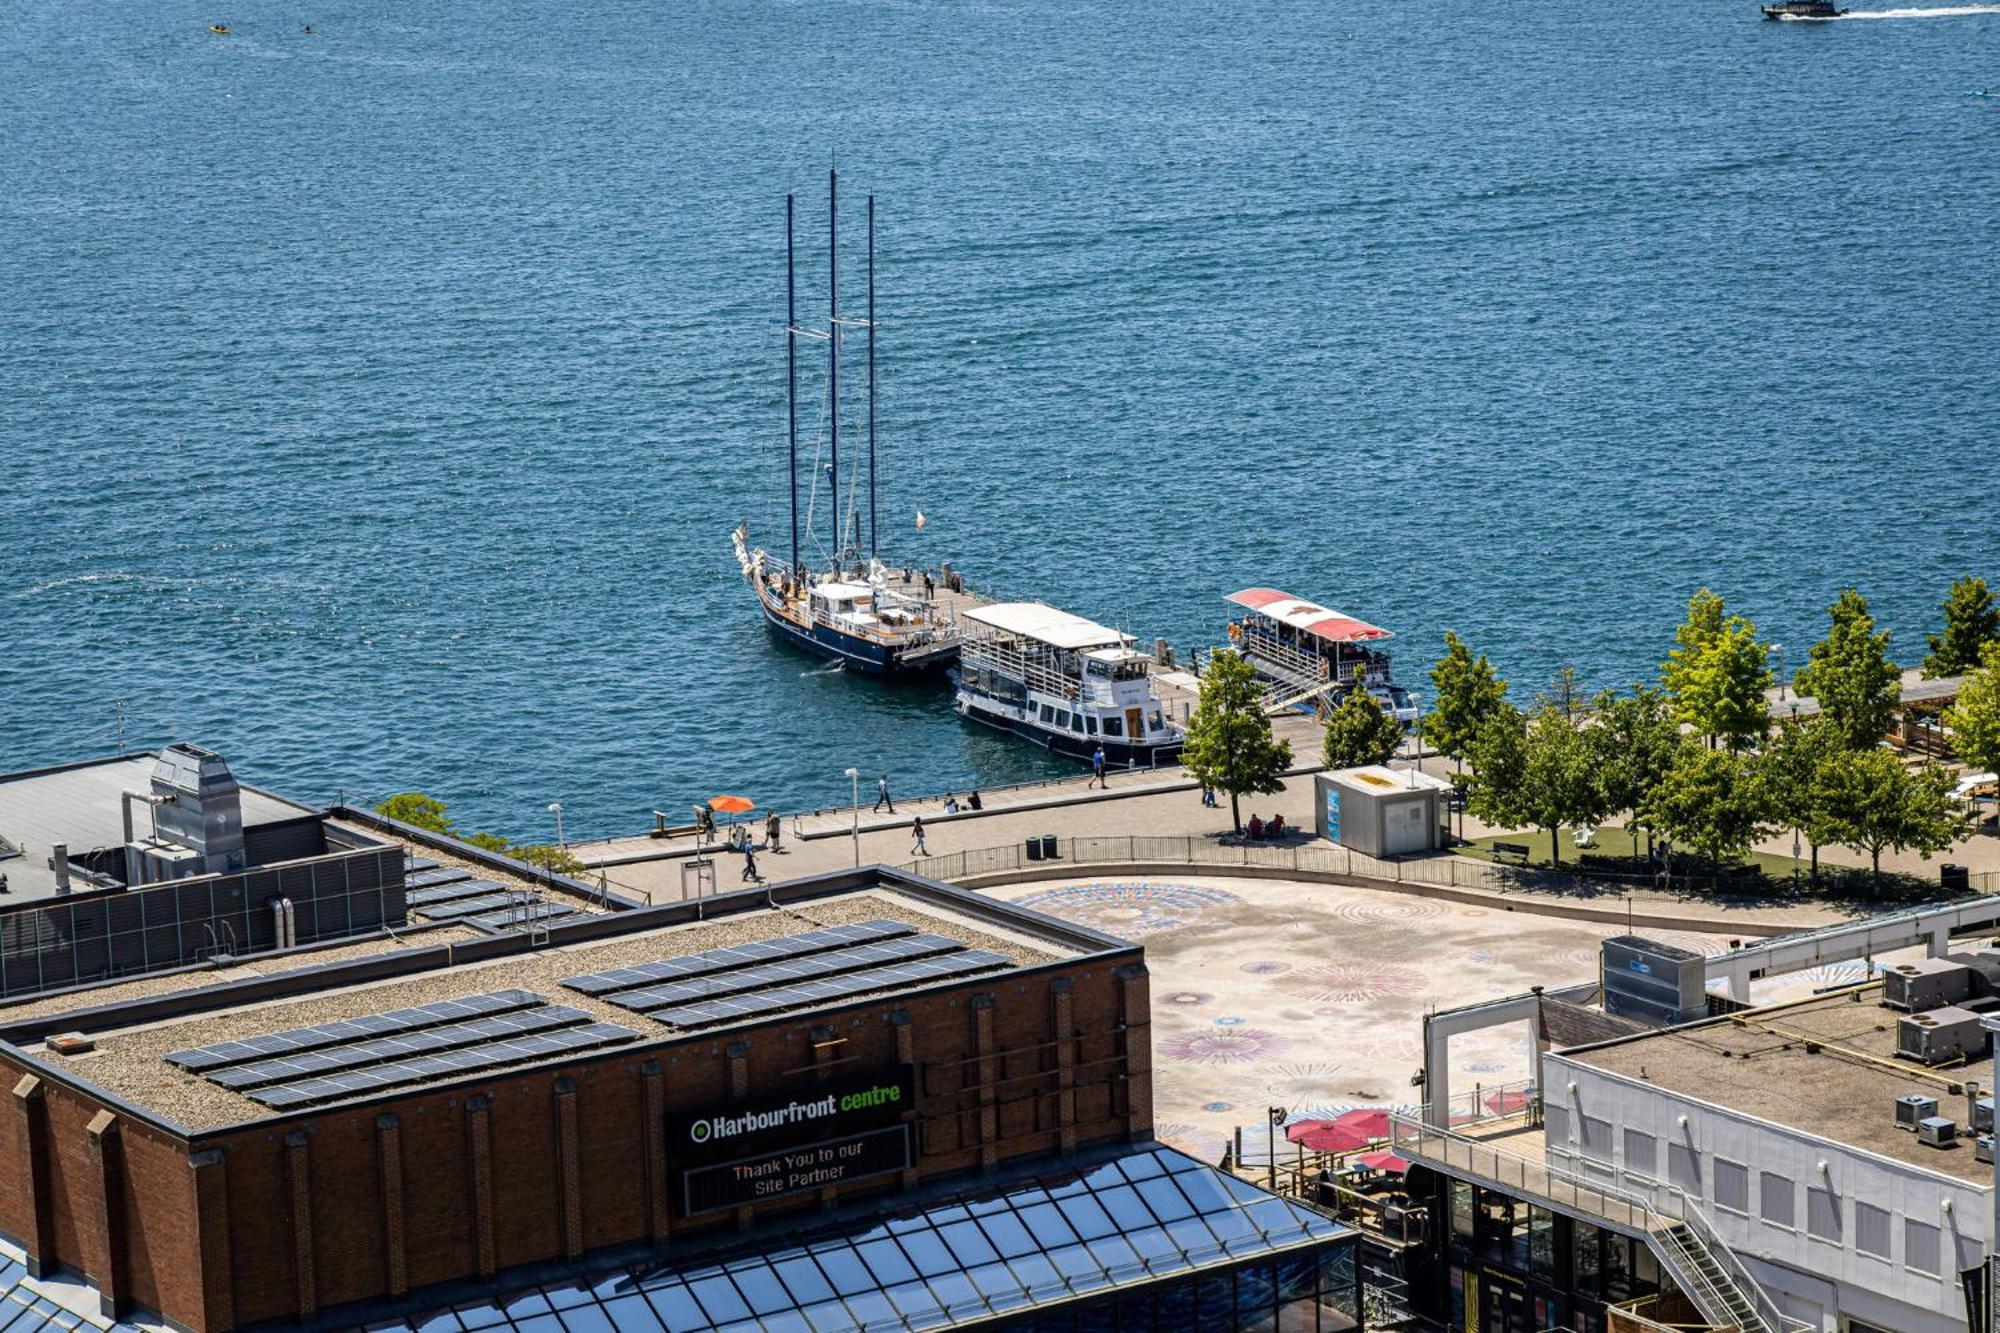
[198, 805]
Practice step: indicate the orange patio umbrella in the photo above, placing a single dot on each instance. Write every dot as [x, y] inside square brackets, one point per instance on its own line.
[732, 805]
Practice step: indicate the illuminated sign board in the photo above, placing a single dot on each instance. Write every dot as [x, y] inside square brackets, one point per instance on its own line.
[814, 1135]
[783, 1171]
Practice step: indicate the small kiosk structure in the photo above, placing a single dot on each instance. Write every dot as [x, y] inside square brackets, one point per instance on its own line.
[1380, 811]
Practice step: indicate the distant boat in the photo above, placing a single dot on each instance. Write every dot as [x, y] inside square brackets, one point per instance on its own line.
[218, 29]
[1803, 9]
[854, 610]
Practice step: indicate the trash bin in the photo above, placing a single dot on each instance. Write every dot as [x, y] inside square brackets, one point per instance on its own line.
[1034, 849]
[1049, 852]
[1954, 879]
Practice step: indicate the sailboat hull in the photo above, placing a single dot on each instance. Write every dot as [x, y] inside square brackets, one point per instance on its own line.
[853, 653]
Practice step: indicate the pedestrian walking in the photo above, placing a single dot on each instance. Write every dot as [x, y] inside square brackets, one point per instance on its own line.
[1097, 770]
[882, 795]
[750, 874]
[917, 847]
[773, 826]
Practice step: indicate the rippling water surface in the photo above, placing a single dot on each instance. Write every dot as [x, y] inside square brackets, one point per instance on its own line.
[375, 404]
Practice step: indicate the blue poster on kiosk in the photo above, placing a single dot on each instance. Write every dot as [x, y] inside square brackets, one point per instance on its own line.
[1333, 812]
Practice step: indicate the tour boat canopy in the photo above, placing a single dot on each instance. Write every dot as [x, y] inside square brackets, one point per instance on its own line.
[1045, 624]
[1319, 621]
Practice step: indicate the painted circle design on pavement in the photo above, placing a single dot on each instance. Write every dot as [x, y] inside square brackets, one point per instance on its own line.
[1355, 983]
[1218, 1106]
[1265, 968]
[1484, 1067]
[1366, 912]
[1310, 1082]
[1137, 908]
[1229, 1021]
[1223, 1046]
[1189, 997]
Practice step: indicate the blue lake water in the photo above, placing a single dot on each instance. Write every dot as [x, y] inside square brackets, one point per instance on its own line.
[375, 404]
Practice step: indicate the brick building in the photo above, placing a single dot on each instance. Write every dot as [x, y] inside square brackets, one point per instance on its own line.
[860, 1101]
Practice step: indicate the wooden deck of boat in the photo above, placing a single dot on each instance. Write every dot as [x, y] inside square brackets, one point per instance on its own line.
[946, 604]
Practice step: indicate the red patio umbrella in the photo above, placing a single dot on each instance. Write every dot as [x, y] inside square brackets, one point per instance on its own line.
[1370, 1122]
[1383, 1161]
[1508, 1101]
[1324, 1136]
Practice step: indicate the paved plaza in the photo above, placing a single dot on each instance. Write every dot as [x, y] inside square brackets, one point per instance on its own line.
[1311, 996]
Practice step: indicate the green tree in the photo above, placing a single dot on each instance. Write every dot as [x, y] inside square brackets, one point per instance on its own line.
[1229, 743]
[490, 842]
[556, 859]
[1465, 693]
[1722, 691]
[1974, 718]
[1360, 731]
[1971, 625]
[1539, 773]
[1634, 740]
[417, 810]
[1709, 800]
[1850, 673]
[1879, 805]
[1792, 771]
[1702, 627]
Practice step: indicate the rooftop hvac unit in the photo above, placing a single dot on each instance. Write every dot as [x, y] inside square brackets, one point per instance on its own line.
[1982, 1149]
[1982, 1116]
[1926, 983]
[1940, 1036]
[198, 804]
[1913, 1109]
[1653, 983]
[1937, 1132]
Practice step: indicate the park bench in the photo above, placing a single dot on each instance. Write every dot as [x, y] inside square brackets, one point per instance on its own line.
[1511, 851]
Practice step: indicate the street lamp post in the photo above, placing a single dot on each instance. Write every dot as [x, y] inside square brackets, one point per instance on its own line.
[555, 808]
[1779, 649]
[854, 776]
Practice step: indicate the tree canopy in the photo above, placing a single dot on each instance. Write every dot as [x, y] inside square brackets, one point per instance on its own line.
[1465, 692]
[1708, 800]
[1633, 739]
[1879, 805]
[1850, 674]
[1717, 673]
[1360, 731]
[1793, 773]
[1229, 743]
[1974, 718]
[1971, 625]
[1539, 772]
[417, 810]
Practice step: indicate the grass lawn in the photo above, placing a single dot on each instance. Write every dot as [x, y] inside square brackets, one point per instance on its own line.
[1623, 853]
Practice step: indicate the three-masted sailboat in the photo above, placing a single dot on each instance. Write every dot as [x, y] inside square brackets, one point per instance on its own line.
[853, 610]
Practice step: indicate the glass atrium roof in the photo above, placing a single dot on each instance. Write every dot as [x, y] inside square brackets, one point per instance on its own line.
[1000, 1248]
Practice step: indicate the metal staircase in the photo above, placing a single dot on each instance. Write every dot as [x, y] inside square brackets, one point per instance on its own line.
[1701, 1264]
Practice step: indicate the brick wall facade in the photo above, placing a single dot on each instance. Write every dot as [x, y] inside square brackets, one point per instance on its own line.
[290, 1217]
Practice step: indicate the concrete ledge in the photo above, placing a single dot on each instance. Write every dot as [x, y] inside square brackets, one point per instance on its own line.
[1538, 905]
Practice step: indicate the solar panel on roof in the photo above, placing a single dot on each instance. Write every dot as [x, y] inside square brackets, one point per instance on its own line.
[519, 916]
[454, 891]
[203, 1058]
[420, 863]
[445, 1064]
[397, 1046]
[786, 971]
[735, 956]
[461, 907]
[732, 1008]
[425, 879]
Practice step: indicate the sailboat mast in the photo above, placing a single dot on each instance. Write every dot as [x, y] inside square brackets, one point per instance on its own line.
[833, 351]
[873, 552]
[792, 384]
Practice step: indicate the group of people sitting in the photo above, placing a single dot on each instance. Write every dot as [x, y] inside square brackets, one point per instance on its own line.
[952, 807]
[1258, 828]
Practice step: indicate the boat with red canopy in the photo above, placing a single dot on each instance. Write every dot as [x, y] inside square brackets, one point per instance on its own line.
[1313, 653]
